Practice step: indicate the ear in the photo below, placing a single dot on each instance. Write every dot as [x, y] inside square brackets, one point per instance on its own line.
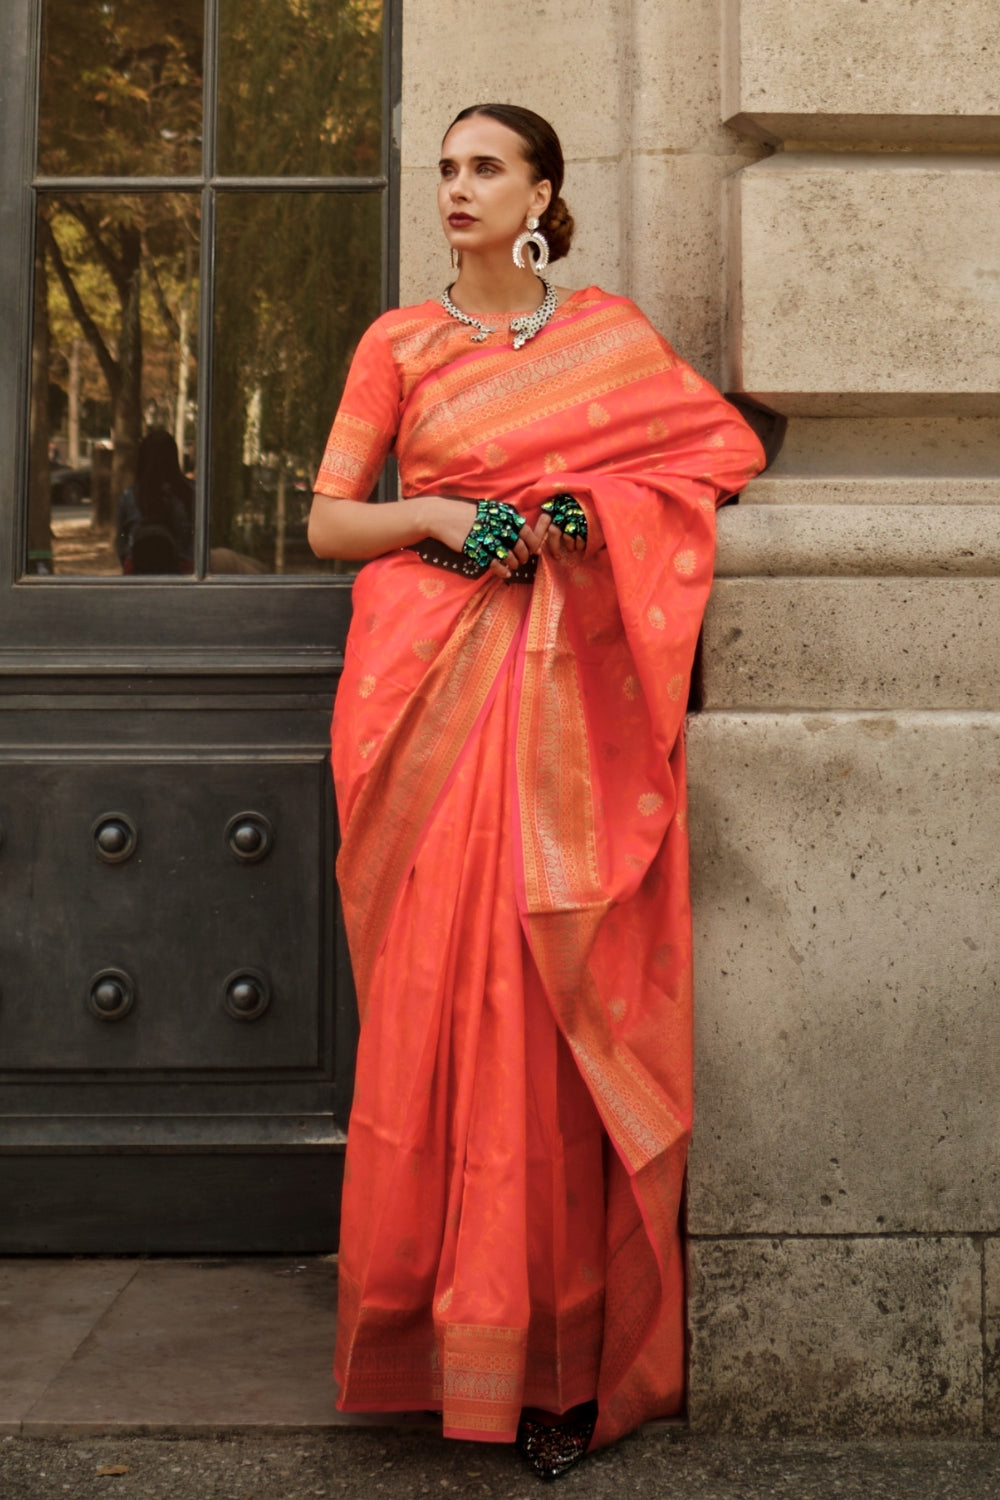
[541, 197]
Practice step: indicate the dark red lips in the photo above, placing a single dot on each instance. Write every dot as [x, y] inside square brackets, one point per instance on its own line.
[457, 221]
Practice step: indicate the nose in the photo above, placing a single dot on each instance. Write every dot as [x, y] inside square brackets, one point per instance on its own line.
[458, 190]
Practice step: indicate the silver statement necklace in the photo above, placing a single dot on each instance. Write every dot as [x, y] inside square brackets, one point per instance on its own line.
[523, 327]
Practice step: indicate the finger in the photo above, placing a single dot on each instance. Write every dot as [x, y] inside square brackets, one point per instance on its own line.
[532, 537]
[520, 551]
[541, 527]
[499, 569]
[554, 541]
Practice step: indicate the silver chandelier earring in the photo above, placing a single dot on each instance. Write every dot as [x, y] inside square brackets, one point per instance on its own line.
[531, 236]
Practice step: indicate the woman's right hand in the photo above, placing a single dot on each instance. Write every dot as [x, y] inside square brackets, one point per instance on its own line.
[450, 521]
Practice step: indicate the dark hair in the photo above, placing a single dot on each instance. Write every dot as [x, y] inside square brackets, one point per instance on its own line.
[543, 154]
[158, 477]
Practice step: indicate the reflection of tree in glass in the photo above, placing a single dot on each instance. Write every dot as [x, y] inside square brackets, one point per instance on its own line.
[300, 87]
[123, 274]
[297, 282]
[121, 87]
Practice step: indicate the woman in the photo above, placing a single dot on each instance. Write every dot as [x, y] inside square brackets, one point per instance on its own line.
[155, 514]
[509, 767]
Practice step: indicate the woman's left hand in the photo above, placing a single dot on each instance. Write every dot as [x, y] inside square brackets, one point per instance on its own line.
[556, 542]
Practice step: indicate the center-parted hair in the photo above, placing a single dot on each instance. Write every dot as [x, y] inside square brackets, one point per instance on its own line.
[544, 156]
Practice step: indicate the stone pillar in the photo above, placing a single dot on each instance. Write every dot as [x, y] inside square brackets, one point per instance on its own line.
[845, 1181]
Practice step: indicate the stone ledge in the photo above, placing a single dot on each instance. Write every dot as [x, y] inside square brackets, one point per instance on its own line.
[861, 489]
[866, 130]
[858, 540]
[869, 66]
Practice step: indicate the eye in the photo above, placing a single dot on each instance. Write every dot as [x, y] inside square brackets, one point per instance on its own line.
[447, 170]
[487, 168]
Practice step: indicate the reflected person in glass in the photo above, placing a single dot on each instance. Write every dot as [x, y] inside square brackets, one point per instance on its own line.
[509, 763]
[155, 514]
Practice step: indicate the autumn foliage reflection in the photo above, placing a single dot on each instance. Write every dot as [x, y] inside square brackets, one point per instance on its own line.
[299, 92]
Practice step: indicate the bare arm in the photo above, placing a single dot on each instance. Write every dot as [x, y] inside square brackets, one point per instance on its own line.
[345, 528]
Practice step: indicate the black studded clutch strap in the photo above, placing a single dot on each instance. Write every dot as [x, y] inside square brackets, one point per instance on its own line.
[430, 550]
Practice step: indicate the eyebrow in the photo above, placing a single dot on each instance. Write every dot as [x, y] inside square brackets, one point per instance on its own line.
[447, 161]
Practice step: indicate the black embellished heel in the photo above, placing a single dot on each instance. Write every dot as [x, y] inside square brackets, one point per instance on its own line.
[552, 1448]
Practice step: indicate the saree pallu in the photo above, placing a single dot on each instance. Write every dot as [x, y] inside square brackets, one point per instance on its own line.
[509, 766]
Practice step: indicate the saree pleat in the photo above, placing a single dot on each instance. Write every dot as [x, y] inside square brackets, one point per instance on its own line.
[478, 1205]
[510, 776]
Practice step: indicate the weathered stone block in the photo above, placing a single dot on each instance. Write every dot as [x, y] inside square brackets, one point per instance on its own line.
[472, 51]
[835, 70]
[822, 1336]
[991, 1301]
[845, 873]
[852, 643]
[673, 250]
[868, 283]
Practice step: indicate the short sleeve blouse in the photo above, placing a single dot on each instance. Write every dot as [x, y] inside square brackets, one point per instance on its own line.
[366, 422]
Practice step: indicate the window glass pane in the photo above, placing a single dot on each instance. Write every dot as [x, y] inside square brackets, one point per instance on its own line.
[121, 87]
[300, 88]
[297, 282]
[113, 356]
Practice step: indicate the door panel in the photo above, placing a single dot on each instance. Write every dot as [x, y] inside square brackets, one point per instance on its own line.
[198, 899]
[177, 1021]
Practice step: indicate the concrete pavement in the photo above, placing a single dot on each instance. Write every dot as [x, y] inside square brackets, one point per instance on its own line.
[208, 1379]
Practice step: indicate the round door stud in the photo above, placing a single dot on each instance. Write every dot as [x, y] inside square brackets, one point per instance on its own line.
[246, 994]
[111, 995]
[115, 837]
[249, 836]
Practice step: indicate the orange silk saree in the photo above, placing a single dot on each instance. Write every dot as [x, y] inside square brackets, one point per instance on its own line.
[509, 766]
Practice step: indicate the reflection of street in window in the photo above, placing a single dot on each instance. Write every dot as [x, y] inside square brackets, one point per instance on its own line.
[124, 341]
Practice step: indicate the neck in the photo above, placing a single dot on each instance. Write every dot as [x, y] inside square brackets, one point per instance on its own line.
[493, 284]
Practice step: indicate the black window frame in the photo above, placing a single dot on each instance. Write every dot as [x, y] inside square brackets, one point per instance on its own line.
[80, 617]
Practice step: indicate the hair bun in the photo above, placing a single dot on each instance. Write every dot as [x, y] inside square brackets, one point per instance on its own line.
[557, 226]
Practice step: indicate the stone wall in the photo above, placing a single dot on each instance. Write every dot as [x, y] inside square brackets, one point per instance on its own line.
[845, 1179]
[806, 201]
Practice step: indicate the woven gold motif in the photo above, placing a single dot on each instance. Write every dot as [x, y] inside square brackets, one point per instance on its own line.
[656, 617]
[638, 545]
[431, 587]
[649, 803]
[686, 562]
[676, 686]
[366, 685]
[598, 415]
[425, 648]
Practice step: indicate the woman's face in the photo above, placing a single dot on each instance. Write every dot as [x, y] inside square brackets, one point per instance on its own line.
[486, 192]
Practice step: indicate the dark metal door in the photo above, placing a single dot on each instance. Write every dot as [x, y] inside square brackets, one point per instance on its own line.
[176, 1017]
